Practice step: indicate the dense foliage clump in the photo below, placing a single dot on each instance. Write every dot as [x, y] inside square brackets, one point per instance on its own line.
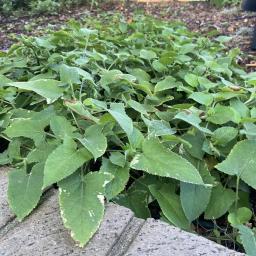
[221, 3]
[143, 113]
[39, 6]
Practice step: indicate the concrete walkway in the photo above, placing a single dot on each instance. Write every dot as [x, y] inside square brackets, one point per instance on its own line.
[43, 233]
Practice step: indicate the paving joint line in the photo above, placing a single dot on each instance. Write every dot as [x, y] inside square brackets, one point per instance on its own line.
[129, 234]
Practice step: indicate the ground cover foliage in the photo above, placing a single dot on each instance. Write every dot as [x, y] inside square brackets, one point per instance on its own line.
[40, 6]
[16, 7]
[143, 113]
[220, 3]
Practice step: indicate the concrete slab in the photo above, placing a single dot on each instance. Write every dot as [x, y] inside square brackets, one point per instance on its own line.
[5, 213]
[157, 238]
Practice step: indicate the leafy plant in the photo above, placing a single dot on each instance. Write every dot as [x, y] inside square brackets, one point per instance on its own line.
[45, 6]
[40, 6]
[248, 239]
[142, 113]
[221, 3]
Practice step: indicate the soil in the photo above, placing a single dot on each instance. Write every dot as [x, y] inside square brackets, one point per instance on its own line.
[198, 16]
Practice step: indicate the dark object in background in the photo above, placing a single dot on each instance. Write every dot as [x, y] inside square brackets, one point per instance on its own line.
[250, 6]
[253, 45]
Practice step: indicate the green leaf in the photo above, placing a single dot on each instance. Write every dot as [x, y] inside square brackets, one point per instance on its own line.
[44, 43]
[248, 239]
[136, 138]
[196, 141]
[138, 107]
[61, 127]
[112, 76]
[26, 128]
[137, 201]
[240, 107]
[223, 39]
[191, 79]
[170, 205]
[117, 110]
[206, 83]
[147, 54]
[94, 140]
[82, 203]
[223, 135]
[41, 153]
[4, 80]
[25, 189]
[117, 158]
[220, 202]
[159, 67]
[158, 160]
[159, 128]
[64, 161]
[249, 131]
[87, 32]
[123, 27]
[145, 87]
[4, 158]
[168, 83]
[47, 88]
[43, 117]
[95, 104]
[47, 75]
[202, 98]
[194, 199]
[192, 119]
[241, 162]
[69, 75]
[223, 96]
[121, 177]
[140, 74]
[14, 149]
[240, 216]
[223, 114]
[253, 112]
[79, 108]
[85, 75]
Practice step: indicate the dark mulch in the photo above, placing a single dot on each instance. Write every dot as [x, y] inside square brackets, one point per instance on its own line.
[199, 17]
[11, 27]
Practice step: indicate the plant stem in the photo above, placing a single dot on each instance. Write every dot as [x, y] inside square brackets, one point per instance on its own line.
[75, 121]
[237, 190]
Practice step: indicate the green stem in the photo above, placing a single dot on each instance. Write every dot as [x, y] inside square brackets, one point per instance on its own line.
[237, 190]
[50, 135]
[73, 92]
[75, 121]
[113, 63]
[4, 137]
